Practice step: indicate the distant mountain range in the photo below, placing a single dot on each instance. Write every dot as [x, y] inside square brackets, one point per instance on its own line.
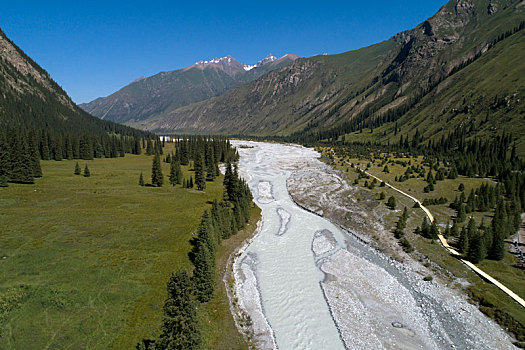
[463, 67]
[164, 92]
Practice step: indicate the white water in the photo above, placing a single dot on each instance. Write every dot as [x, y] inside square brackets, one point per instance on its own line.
[287, 277]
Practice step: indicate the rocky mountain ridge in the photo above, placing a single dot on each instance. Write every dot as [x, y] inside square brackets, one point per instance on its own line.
[166, 91]
[322, 96]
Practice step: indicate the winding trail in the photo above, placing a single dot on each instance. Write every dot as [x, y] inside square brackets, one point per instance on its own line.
[445, 244]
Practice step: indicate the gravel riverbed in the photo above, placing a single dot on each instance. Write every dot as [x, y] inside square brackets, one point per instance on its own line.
[306, 282]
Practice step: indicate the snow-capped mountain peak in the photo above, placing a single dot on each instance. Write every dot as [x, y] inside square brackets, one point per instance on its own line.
[268, 59]
[227, 59]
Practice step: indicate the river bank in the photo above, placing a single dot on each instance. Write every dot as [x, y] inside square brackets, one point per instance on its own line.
[363, 298]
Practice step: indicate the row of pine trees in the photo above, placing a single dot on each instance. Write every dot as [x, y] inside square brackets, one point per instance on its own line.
[180, 326]
[22, 149]
[204, 153]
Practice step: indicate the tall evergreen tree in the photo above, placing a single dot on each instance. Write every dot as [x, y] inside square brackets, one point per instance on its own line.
[149, 148]
[21, 169]
[425, 228]
[184, 154]
[463, 242]
[497, 248]
[44, 150]
[462, 213]
[34, 155]
[141, 180]
[200, 181]
[180, 328]
[204, 273]
[434, 231]
[477, 250]
[136, 146]
[5, 158]
[173, 173]
[87, 173]
[157, 179]
[57, 149]
[77, 169]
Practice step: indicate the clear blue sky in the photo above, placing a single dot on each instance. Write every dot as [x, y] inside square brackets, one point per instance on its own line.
[93, 48]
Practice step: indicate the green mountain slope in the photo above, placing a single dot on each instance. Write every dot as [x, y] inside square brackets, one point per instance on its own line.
[283, 100]
[167, 91]
[486, 97]
[327, 96]
[29, 98]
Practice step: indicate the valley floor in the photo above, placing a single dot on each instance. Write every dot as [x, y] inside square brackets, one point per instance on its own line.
[375, 301]
[84, 261]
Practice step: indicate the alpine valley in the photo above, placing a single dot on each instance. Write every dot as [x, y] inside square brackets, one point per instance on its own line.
[371, 199]
[461, 67]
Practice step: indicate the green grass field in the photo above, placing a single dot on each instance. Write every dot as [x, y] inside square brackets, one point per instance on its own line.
[85, 261]
[504, 271]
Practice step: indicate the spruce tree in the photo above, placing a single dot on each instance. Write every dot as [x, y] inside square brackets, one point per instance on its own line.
[453, 173]
[477, 249]
[434, 231]
[77, 169]
[463, 242]
[34, 155]
[141, 180]
[227, 182]
[173, 173]
[44, 149]
[86, 172]
[57, 149]
[497, 247]
[21, 169]
[157, 179]
[462, 213]
[210, 172]
[5, 158]
[190, 184]
[200, 181]
[184, 155]
[391, 203]
[425, 228]
[204, 273]
[86, 148]
[205, 233]
[180, 328]
[178, 172]
[149, 148]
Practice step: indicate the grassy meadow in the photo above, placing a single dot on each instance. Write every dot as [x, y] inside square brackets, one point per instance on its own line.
[479, 290]
[84, 261]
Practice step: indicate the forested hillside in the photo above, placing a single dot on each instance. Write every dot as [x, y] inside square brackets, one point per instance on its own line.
[461, 66]
[38, 120]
